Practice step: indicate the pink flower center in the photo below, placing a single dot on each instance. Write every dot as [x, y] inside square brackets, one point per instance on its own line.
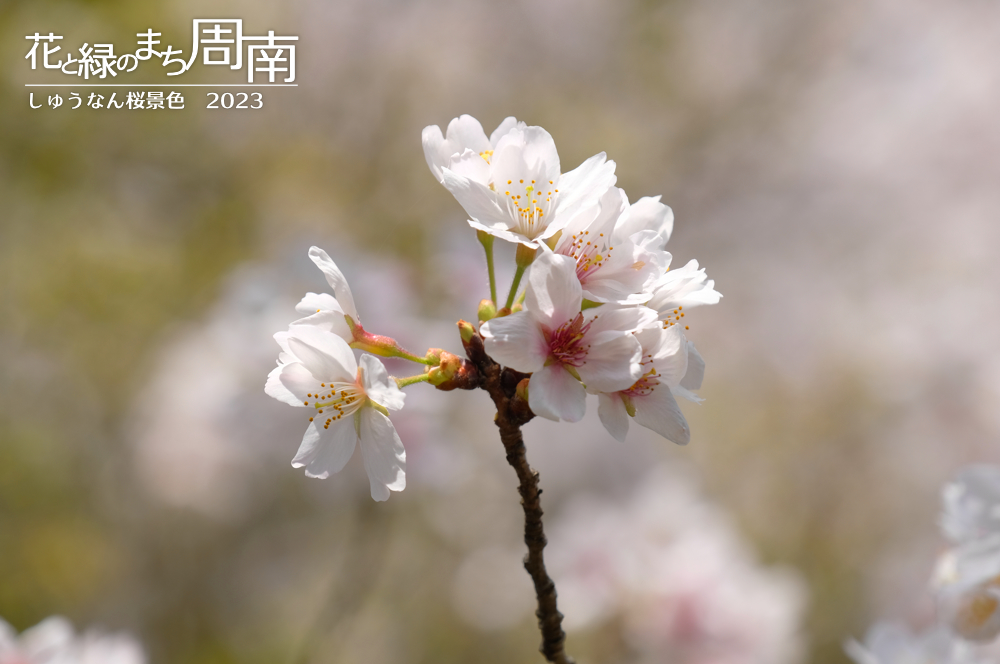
[589, 253]
[566, 342]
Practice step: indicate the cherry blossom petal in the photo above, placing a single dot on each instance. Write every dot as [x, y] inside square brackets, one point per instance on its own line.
[501, 232]
[504, 128]
[614, 417]
[612, 365]
[659, 412]
[555, 394]
[626, 276]
[575, 223]
[647, 214]
[695, 369]
[466, 132]
[668, 350]
[291, 383]
[329, 320]
[379, 386]
[313, 302]
[336, 279]
[527, 153]
[324, 354]
[687, 286]
[282, 339]
[436, 150]
[463, 133]
[479, 202]
[585, 184]
[325, 451]
[610, 321]
[516, 341]
[472, 166]
[553, 294]
[383, 454]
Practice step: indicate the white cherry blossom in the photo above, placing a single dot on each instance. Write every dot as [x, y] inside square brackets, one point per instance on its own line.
[511, 185]
[562, 346]
[347, 406]
[618, 248]
[671, 366]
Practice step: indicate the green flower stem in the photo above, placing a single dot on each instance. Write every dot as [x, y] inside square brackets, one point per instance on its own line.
[523, 257]
[411, 380]
[487, 241]
[514, 286]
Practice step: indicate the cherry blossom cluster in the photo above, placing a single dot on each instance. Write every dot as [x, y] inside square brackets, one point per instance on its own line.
[966, 584]
[601, 311]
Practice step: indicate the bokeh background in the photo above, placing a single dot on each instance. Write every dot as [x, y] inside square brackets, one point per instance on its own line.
[834, 165]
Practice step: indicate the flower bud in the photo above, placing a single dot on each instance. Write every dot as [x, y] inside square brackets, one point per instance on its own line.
[487, 310]
[466, 330]
[505, 311]
[522, 389]
[449, 367]
[436, 376]
[450, 363]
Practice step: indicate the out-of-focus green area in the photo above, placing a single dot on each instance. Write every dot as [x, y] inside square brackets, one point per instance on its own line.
[829, 163]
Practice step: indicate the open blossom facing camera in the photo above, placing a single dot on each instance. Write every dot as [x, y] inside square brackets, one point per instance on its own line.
[53, 641]
[566, 349]
[600, 312]
[347, 406]
[511, 184]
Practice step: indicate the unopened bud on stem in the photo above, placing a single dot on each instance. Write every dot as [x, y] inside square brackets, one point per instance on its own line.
[466, 330]
[378, 344]
[522, 389]
[446, 370]
[487, 310]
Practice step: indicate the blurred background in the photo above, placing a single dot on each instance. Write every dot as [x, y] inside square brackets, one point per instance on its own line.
[833, 164]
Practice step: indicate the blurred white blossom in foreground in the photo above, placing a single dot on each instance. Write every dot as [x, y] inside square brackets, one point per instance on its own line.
[53, 641]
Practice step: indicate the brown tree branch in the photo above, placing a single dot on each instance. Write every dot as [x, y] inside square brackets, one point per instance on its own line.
[512, 413]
